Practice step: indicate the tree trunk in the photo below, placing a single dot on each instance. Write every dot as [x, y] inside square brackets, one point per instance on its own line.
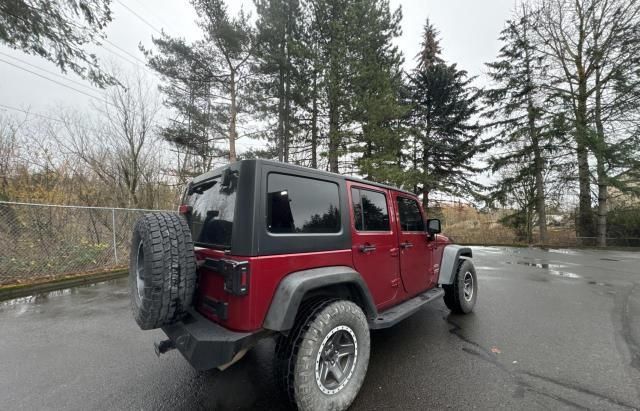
[287, 120]
[603, 197]
[233, 114]
[314, 123]
[539, 177]
[333, 100]
[288, 35]
[281, 114]
[603, 194]
[334, 138]
[425, 164]
[585, 216]
[537, 154]
[540, 195]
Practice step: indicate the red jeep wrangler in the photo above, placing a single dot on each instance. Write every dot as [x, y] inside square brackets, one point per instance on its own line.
[312, 258]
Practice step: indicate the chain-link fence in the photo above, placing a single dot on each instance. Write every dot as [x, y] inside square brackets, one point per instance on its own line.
[47, 241]
[467, 225]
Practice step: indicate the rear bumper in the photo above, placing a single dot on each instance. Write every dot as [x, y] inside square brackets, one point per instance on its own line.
[207, 345]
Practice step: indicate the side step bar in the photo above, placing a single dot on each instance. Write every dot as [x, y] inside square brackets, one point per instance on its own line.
[401, 311]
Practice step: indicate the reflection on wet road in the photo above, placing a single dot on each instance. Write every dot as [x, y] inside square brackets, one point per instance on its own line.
[552, 329]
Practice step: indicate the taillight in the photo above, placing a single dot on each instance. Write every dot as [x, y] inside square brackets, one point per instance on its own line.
[236, 277]
[235, 274]
[185, 209]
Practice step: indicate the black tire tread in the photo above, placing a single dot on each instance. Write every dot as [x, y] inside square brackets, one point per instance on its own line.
[170, 269]
[297, 347]
[453, 293]
[287, 346]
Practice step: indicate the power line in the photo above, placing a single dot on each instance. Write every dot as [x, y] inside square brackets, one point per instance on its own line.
[120, 56]
[30, 112]
[52, 80]
[157, 17]
[139, 17]
[50, 72]
[203, 65]
[126, 52]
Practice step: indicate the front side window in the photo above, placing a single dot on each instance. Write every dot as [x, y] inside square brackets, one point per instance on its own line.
[410, 216]
[302, 205]
[370, 210]
[212, 210]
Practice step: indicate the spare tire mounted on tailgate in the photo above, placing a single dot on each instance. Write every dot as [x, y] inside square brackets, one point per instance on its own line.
[162, 269]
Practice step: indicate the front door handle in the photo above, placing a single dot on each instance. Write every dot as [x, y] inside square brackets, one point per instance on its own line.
[367, 248]
[406, 244]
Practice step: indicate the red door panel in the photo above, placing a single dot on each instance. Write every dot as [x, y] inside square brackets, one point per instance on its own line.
[415, 248]
[374, 242]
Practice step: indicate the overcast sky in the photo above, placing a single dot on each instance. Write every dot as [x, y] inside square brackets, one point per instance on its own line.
[468, 28]
[468, 31]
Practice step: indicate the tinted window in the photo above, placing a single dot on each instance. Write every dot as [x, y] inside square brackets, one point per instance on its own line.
[302, 205]
[370, 210]
[211, 218]
[410, 217]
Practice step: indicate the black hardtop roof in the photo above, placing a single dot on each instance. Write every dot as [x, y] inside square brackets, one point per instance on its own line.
[217, 171]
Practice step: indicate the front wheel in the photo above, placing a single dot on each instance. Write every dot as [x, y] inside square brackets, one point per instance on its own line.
[460, 297]
[324, 359]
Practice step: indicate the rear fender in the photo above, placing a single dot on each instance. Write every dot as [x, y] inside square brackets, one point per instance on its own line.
[293, 288]
[451, 255]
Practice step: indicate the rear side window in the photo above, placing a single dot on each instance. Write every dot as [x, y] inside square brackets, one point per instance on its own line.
[410, 217]
[211, 217]
[370, 210]
[302, 205]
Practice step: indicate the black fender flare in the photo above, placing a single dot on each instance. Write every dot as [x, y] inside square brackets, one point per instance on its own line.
[292, 289]
[450, 257]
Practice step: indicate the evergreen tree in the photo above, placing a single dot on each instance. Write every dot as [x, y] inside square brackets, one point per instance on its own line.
[279, 51]
[207, 81]
[594, 48]
[444, 133]
[360, 75]
[516, 111]
[333, 23]
[58, 31]
[377, 84]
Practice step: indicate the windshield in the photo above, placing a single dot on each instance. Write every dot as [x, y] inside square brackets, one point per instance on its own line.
[211, 217]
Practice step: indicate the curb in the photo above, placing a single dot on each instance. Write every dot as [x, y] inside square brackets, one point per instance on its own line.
[29, 289]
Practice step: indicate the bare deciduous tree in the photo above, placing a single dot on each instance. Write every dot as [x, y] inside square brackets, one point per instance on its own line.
[120, 144]
[595, 47]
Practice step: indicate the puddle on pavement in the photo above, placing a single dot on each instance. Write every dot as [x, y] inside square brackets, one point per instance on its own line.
[564, 274]
[563, 251]
[42, 298]
[600, 284]
[486, 268]
[552, 269]
[609, 259]
[537, 265]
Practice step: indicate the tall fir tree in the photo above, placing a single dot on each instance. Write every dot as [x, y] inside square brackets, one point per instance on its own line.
[279, 49]
[444, 132]
[523, 139]
[332, 19]
[360, 74]
[208, 80]
[593, 46]
[377, 83]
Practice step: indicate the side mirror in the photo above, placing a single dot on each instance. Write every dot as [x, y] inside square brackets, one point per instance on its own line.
[226, 177]
[433, 226]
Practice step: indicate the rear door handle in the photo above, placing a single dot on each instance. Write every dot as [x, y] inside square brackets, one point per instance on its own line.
[367, 248]
[406, 244]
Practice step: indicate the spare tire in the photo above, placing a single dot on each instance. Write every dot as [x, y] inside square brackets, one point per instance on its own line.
[162, 269]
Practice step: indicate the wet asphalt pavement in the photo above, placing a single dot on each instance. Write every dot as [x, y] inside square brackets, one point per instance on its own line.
[556, 329]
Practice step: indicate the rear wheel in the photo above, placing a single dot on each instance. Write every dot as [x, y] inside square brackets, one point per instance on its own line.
[322, 363]
[162, 269]
[460, 297]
